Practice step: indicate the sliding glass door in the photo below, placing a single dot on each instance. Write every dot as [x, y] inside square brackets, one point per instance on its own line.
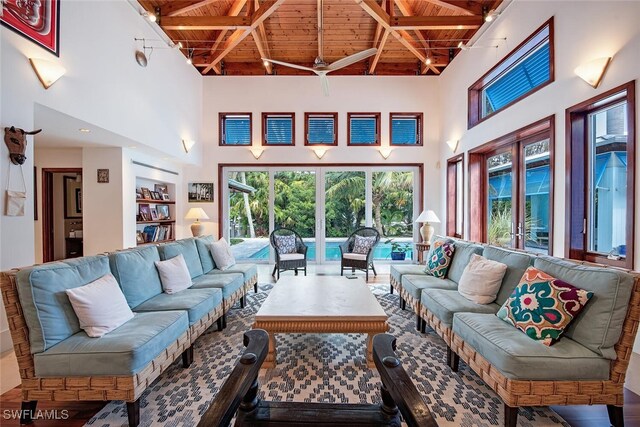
[324, 205]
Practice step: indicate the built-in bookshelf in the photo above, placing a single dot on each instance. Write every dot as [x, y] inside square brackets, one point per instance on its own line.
[155, 211]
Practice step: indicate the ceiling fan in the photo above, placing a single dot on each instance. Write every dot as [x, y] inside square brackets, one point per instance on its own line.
[321, 68]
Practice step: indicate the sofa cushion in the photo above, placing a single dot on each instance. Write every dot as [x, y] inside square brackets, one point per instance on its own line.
[461, 258]
[286, 244]
[542, 306]
[399, 270]
[519, 357]
[440, 260]
[248, 271]
[222, 256]
[174, 274]
[187, 248]
[516, 262]
[206, 260]
[481, 279]
[355, 256]
[599, 326]
[362, 244]
[100, 306]
[414, 284]
[124, 351]
[196, 302]
[46, 307]
[136, 272]
[445, 303]
[228, 283]
[291, 257]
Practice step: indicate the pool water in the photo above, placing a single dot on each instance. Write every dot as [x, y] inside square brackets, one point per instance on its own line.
[381, 251]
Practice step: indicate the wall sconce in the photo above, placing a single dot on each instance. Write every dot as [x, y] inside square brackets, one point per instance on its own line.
[593, 71]
[453, 145]
[385, 152]
[188, 144]
[320, 152]
[48, 72]
[257, 152]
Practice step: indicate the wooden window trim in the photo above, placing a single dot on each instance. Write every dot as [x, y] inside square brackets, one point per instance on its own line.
[452, 193]
[474, 116]
[221, 117]
[576, 158]
[419, 116]
[265, 116]
[478, 176]
[307, 116]
[376, 116]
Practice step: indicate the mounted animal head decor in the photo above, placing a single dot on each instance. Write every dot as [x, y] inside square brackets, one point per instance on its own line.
[16, 140]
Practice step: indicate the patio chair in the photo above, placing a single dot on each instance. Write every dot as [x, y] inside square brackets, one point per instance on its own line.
[359, 256]
[291, 252]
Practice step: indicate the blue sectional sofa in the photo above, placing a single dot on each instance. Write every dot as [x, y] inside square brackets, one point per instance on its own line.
[586, 366]
[58, 361]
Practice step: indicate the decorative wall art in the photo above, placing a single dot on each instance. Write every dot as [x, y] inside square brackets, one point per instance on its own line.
[38, 21]
[201, 192]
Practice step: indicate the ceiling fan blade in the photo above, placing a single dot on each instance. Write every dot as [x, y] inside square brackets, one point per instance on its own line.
[351, 59]
[324, 81]
[287, 64]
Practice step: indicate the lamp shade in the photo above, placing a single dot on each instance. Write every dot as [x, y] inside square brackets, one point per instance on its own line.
[593, 71]
[197, 214]
[428, 216]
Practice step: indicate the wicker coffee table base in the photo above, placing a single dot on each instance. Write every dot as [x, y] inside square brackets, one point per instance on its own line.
[370, 328]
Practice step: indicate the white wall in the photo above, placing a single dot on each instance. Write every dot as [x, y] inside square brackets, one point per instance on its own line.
[583, 31]
[302, 94]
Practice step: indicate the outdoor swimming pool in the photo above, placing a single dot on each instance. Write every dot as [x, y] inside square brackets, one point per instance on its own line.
[241, 251]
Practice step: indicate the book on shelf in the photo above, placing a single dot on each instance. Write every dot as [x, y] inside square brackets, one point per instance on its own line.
[157, 233]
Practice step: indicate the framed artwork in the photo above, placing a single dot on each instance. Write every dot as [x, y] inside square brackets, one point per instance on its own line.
[146, 193]
[154, 214]
[139, 237]
[38, 21]
[166, 197]
[163, 212]
[72, 197]
[161, 188]
[103, 176]
[145, 212]
[200, 192]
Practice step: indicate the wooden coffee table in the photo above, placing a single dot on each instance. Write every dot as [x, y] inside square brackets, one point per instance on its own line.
[320, 305]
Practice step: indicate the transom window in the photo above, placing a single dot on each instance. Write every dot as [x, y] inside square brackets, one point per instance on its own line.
[235, 129]
[406, 128]
[278, 128]
[526, 69]
[363, 129]
[321, 128]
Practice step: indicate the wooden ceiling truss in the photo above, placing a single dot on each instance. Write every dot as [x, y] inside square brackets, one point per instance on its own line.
[231, 36]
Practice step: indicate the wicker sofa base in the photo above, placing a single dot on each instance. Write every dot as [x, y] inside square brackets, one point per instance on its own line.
[516, 393]
[394, 284]
[436, 324]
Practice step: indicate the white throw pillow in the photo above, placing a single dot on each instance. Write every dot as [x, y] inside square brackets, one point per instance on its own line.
[481, 279]
[100, 306]
[221, 253]
[174, 274]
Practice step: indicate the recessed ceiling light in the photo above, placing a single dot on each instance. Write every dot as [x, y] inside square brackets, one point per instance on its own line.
[84, 130]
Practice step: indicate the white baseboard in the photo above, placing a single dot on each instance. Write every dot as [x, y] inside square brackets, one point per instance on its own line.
[633, 374]
[5, 341]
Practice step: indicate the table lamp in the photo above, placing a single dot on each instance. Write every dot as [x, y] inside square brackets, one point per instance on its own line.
[426, 230]
[197, 228]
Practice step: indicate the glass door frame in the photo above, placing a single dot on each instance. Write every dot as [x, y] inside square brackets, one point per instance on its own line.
[320, 171]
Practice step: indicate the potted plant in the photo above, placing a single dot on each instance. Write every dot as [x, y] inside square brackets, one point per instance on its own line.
[398, 250]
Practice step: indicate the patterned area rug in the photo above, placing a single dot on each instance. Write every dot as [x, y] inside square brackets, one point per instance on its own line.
[322, 368]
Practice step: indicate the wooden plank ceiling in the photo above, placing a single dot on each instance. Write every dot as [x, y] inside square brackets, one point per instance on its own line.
[231, 36]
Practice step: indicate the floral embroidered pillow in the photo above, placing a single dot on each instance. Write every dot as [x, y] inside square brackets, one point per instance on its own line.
[439, 260]
[286, 244]
[361, 245]
[542, 306]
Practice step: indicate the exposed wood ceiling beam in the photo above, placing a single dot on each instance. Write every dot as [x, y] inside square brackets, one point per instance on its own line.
[406, 10]
[175, 8]
[458, 6]
[376, 58]
[436, 22]
[260, 37]
[192, 23]
[263, 12]
[234, 10]
[320, 29]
